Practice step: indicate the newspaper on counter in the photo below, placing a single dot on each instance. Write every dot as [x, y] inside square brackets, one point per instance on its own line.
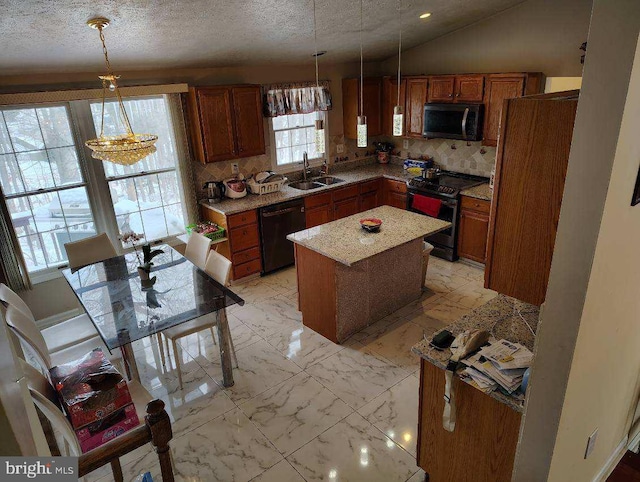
[501, 363]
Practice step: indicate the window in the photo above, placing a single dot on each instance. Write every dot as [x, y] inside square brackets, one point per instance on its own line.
[146, 196]
[45, 181]
[295, 134]
[43, 184]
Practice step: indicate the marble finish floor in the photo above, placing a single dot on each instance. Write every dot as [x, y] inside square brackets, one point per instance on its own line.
[302, 408]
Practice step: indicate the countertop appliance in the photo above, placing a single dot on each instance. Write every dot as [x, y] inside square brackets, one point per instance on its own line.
[235, 188]
[445, 187]
[453, 121]
[215, 191]
[276, 222]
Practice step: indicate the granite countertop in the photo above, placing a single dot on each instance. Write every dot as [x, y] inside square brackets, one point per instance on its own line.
[482, 191]
[352, 176]
[346, 242]
[500, 318]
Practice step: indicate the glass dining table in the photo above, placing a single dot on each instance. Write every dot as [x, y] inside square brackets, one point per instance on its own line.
[125, 307]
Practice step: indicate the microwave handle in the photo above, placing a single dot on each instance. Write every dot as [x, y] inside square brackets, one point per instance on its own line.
[464, 123]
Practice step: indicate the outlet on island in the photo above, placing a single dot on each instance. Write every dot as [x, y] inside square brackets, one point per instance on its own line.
[234, 168]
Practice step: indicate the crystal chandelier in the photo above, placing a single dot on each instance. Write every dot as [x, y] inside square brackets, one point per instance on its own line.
[127, 148]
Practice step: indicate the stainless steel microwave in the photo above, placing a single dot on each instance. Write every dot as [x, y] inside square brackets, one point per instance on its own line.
[453, 121]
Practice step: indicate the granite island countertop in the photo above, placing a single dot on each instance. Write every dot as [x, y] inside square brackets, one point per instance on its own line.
[482, 191]
[501, 318]
[351, 176]
[345, 241]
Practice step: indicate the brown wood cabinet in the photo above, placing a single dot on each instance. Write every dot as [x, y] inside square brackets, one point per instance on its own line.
[370, 194]
[243, 244]
[499, 88]
[473, 228]
[345, 201]
[395, 193]
[226, 122]
[456, 88]
[531, 166]
[483, 445]
[318, 209]
[372, 106]
[417, 89]
[390, 100]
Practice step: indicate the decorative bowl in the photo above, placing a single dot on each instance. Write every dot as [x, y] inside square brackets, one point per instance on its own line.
[371, 225]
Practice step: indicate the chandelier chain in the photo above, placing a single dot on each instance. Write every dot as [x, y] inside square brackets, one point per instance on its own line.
[361, 65]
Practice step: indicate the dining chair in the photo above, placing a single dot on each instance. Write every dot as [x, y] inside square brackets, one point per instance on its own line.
[45, 398]
[29, 334]
[197, 250]
[89, 250]
[219, 268]
[59, 336]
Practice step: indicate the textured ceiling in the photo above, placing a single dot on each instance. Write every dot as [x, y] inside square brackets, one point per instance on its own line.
[51, 35]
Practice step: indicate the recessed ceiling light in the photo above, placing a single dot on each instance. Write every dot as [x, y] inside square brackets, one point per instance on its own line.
[425, 15]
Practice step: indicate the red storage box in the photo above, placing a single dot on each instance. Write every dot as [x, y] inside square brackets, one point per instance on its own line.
[90, 388]
[100, 432]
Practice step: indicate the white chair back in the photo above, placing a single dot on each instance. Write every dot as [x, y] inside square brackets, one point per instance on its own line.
[29, 334]
[197, 249]
[89, 250]
[218, 267]
[12, 298]
[44, 397]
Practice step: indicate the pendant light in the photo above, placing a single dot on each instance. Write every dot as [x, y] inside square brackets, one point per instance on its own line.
[398, 110]
[320, 144]
[127, 148]
[362, 119]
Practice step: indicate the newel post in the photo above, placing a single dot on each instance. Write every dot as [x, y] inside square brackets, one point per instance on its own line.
[157, 420]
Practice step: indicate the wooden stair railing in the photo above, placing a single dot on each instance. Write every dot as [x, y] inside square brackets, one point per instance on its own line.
[156, 430]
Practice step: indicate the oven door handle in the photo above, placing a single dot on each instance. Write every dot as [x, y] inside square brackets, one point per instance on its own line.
[464, 123]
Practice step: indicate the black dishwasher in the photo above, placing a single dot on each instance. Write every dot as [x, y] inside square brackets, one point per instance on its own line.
[276, 222]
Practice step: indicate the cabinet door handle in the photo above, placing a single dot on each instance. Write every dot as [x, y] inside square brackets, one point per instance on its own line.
[458, 94]
[450, 95]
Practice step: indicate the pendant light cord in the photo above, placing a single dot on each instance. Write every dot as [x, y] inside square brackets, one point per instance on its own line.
[399, 49]
[361, 64]
[315, 44]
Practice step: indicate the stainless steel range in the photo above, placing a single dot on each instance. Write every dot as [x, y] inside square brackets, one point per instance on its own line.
[445, 191]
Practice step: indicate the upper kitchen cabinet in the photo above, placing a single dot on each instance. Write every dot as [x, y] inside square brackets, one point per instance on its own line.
[456, 88]
[499, 88]
[416, 96]
[390, 100]
[226, 122]
[531, 166]
[371, 106]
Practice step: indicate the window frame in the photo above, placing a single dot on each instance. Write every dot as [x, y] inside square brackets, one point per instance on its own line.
[94, 178]
[296, 166]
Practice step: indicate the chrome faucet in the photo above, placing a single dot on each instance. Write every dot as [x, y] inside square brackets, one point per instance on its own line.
[305, 165]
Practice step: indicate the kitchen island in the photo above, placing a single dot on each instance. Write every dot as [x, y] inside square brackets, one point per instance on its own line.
[348, 278]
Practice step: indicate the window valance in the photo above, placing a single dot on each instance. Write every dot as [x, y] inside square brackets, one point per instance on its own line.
[296, 98]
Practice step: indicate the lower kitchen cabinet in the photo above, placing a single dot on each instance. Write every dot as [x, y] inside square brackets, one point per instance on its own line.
[370, 194]
[394, 193]
[318, 209]
[473, 229]
[345, 207]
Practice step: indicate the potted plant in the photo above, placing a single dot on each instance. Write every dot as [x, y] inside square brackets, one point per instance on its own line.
[383, 149]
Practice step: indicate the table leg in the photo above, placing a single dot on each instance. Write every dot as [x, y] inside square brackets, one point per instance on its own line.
[130, 362]
[225, 350]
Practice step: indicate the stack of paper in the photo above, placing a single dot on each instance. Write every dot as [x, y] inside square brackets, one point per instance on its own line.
[499, 364]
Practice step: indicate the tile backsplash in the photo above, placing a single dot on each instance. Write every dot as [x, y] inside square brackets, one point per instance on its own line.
[452, 155]
[469, 158]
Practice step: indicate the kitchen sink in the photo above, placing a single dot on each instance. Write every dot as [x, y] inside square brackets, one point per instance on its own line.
[306, 185]
[327, 180]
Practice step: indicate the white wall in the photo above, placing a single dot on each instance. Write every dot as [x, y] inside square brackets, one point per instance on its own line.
[588, 345]
[535, 36]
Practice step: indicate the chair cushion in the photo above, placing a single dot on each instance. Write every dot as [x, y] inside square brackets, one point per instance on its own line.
[81, 349]
[193, 326]
[69, 333]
